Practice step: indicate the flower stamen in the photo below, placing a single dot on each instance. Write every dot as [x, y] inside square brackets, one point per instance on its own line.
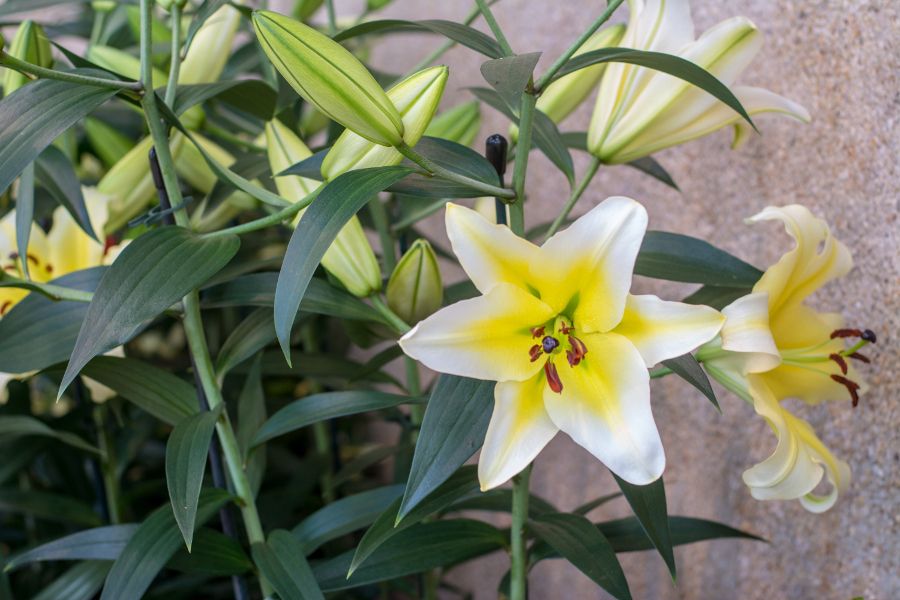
[851, 386]
[577, 352]
[537, 332]
[840, 362]
[535, 352]
[553, 377]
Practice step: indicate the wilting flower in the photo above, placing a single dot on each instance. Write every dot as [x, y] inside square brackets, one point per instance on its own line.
[640, 111]
[558, 330]
[416, 99]
[773, 347]
[32, 45]
[350, 257]
[328, 76]
[415, 290]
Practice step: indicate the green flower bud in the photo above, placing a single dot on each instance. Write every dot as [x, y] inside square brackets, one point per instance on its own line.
[107, 142]
[119, 61]
[103, 6]
[211, 48]
[459, 124]
[415, 290]
[31, 45]
[350, 258]
[327, 75]
[416, 98]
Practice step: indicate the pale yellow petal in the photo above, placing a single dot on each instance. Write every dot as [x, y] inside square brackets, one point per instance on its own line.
[487, 337]
[746, 332]
[520, 428]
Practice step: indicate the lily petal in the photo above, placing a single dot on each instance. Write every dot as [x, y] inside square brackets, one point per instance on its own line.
[485, 338]
[605, 407]
[593, 260]
[746, 332]
[662, 330]
[489, 253]
[520, 428]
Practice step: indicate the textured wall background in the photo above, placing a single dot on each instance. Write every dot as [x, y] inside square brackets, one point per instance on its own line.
[841, 59]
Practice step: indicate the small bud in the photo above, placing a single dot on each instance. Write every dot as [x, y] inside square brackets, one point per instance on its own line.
[415, 290]
[416, 98]
[211, 48]
[350, 257]
[327, 75]
[459, 124]
[123, 63]
[31, 45]
[103, 6]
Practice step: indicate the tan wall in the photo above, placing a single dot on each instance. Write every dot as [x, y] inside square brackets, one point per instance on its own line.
[842, 61]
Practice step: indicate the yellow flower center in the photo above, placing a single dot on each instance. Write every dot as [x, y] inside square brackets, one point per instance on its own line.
[551, 346]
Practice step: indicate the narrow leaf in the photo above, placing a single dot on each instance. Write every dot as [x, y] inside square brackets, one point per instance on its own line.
[462, 34]
[717, 296]
[249, 337]
[48, 506]
[55, 174]
[20, 426]
[25, 215]
[281, 561]
[676, 257]
[100, 543]
[81, 582]
[649, 505]
[650, 166]
[213, 554]
[687, 367]
[454, 157]
[510, 75]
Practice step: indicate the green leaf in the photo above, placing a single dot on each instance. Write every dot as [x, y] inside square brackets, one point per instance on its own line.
[649, 166]
[250, 95]
[38, 332]
[214, 554]
[627, 535]
[55, 174]
[206, 10]
[715, 296]
[461, 484]
[152, 273]
[648, 502]
[421, 547]
[100, 543]
[251, 416]
[162, 394]
[338, 201]
[676, 257]
[36, 114]
[186, 453]
[462, 34]
[152, 545]
[281, 561]
[500, 500]
[582, 544]
[453, 429]
[344, 516]
[383, 358]
[367, 459]
[658, 61]
[21, 426]
[249, 337]
[454, 157]
[687, 367]
[510, 75]
[81, 582]
[589, 506]
[47, 506]
[327, 405]
[16, 6]
[24, 214]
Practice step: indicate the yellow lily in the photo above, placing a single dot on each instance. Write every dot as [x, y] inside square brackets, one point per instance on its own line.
[558, 330]
[773, 347]
[640, 111]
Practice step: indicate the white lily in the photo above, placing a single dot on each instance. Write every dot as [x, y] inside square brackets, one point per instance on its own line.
[640, 111]
[558, 330]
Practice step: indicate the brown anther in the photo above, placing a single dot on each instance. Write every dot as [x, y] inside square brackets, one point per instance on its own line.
[552, 377]
[5, 307]
[577, 352]
[565, 329]
[49, 268]
[851, 386]
[846, 333]
[13, 256]
[33, 259]
[840, 362]
[537, 332]
[535, 352]
[860, 357]
[869, 336]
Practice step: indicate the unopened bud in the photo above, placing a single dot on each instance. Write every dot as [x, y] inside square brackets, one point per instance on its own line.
[459, 124]
[211, 48]
[415, 290]
[31, 45]
[103, 6]
[123, 63]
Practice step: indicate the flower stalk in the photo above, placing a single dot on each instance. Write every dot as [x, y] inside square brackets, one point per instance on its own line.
[518, 567]
[573, 197]
[22, 66]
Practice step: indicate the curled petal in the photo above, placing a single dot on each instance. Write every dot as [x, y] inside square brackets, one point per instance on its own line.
[746, 332]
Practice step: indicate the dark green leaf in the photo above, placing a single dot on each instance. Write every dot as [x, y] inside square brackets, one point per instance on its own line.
[420, 548]
[385, 357]
[327, 405]
[658, 61]
[687, 367]
[676, 257]
[651, 167]
[152, 273]
[213, 553]
[250, 95]
[335, 205]
[500, 500]
[648, 502]
[627, 535]
[24, 214]
[186, 453]
[510, 75]
[152, 545]
[16, 6]
[582, 544]
[81, 582]
[251, 416]
[344, 516]
[589, 506]
[281, 561]
[715, 296]
[55, 173]
[367, 459]
[100, 543]
[462, 34]
[453, 429]
[20, 425]
[162, 394]
[454, 157]
[36, 114]
[249, 337]
[310, 167]
[51, 507]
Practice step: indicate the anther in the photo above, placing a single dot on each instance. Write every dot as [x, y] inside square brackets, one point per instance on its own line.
[851, 386]
[846, 333]
[552, 377]
[5, 307]
[860, 357]
[537, 332]
[577, 352]
[549, 344]
[565, 329]
[869, 336]
[535, 352]
[840, 362]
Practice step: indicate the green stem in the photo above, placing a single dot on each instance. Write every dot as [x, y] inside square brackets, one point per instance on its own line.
[108, 465]
[523, 147]
[660, 372]
[175, 62]
[22, 66]
[436, 170]
[396, 322]
[274, 219]
[547, 77]
[380, 219]
[518, 567]
[495, 27]
[332, 17]
[414, 387]
[51, 291]
[321, 435]
[97, 27]
[417, 215]
[573, 198]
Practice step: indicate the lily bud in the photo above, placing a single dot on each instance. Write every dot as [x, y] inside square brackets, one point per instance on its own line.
[416, 98]
[31, 45]
[415, 290]
[459, 124]
[107, 142]
[327, 75]
[206, 58]
[103, 6]
[123, 63]
[350, 257]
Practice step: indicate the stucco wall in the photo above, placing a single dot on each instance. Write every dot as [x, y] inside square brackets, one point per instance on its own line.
[842, 61]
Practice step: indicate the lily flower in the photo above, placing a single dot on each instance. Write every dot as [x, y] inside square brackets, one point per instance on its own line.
[558, 330]
[640, 111]
[774, 347]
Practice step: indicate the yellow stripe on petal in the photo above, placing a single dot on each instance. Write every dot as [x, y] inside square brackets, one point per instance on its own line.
[520, 428]
[661, 330]
[605, 407]
[485, 338]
